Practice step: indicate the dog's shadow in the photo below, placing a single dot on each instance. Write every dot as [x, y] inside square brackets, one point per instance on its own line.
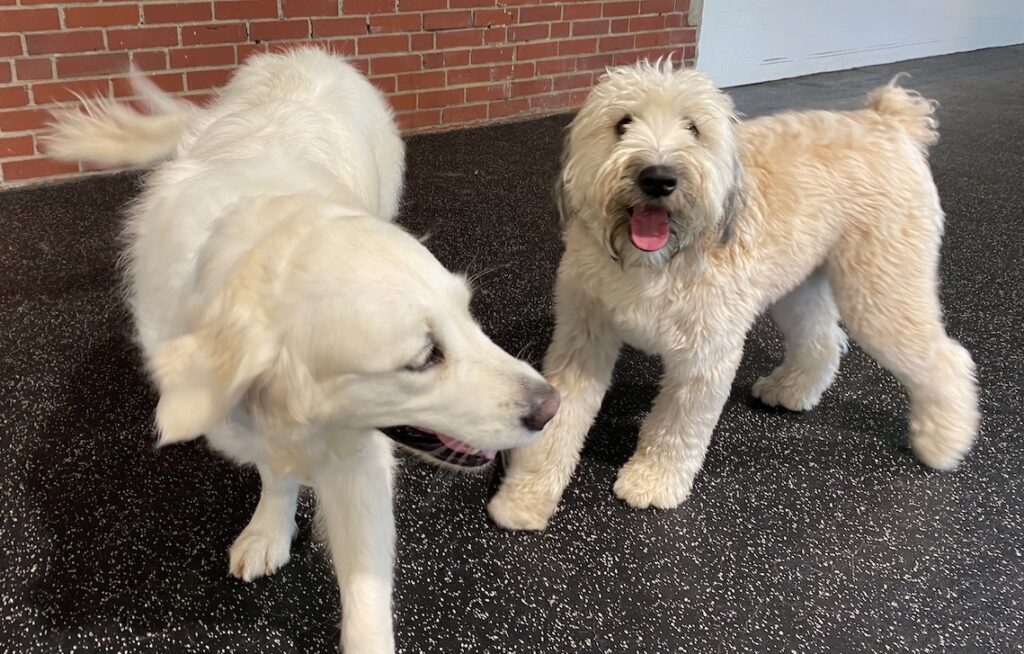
[131, 542]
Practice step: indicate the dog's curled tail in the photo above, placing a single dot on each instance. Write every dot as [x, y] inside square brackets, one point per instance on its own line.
[114, 135]
[913, 111]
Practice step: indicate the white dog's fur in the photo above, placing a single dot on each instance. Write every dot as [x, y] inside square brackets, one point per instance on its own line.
[818, 215]
[283, 315]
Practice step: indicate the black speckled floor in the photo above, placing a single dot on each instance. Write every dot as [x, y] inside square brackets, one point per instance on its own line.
[805, 533]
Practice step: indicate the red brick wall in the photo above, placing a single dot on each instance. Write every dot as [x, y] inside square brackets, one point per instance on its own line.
[443, 63]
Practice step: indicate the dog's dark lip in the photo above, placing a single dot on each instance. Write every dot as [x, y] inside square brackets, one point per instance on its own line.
[428, 445]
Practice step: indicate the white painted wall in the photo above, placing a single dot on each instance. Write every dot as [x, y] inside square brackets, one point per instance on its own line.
[747, 41]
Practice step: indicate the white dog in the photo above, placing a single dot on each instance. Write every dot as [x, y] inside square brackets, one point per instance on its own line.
[682, 225]
[285, 317]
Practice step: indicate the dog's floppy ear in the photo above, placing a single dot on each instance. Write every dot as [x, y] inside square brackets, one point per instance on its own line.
[735, 202]
[202, 375]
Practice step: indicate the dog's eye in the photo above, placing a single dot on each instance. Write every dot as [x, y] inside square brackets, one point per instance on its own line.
[692, 126]
[434, 357]
[620, 127]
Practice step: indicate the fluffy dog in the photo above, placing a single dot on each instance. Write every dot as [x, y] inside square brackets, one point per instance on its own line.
[283, 315]
[683, 224]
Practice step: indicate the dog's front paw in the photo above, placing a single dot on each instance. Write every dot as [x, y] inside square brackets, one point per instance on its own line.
[258, 552]
[518, 507]
[795, 390]
[644, 483]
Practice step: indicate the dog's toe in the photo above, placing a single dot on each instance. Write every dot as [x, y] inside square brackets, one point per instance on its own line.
[257, 553]
[519, 511]
[787, 390]
[643, 484]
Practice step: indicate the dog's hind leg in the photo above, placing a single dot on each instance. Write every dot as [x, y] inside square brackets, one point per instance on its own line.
[809, 322]
[265, 543]
[886, 286]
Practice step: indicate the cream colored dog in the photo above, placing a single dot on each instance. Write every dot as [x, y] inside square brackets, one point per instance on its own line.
[682, 225]
[285, 317]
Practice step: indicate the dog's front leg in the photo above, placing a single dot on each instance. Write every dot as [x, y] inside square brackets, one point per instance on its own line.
[675, 436]
[579, 364]
[355, 506]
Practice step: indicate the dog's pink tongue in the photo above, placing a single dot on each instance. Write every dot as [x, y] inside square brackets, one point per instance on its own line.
[648, 228]
[458, 446]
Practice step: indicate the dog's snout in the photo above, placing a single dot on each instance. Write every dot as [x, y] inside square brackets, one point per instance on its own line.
[544, 404]
[657, 181]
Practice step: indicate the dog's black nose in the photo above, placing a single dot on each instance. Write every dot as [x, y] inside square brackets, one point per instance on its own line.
[657, 181]
[543, 407]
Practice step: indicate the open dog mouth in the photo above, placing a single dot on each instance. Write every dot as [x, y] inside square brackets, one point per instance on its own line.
[648, 226]
[440, 447]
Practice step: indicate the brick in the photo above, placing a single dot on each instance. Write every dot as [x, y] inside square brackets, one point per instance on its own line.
[494, 35]
[560, 30]
[445, 59]
[556, 66]
[33, 69]
[503, 108]
[445, 98]
[391, 65]
[101, 16]
[490, 55]
[169, 82]
[620, 8]
[339, 27]
[551, 101]
[578, 10]
[426, 80]
[447, 20]
[458, 39]
[198, 80]
[61, 42]
[276, 30]
[541, 14]
[10, 45]
[29, 20]
[245, 50]
[674, 20]
[492, 17]
[423, 5]
[614, 43]
[202, 57]
[595, 62]
[384, 84]
[48, 92]
[177, 12]
[392, 43]
[528, 32]
[421, 42]
[239, 9]
[646, 23]
[147, 37]
[200, 34]
[536, 51]
[419, 119]
[368, 6]
[13, 96]
[30, 168]
[463, 114]
[530, 87]
[344, 47]
[579, 81]
[17, 146]
[477, 74]
[460, 4]
[296, 8]
[23, 119]
[6, 74]
[92, 65]
[577, 46]
[524, 70]
[154, 60]
[403, 102]
[657, 6]
[592, 27]
[391, 23]
[489, 92]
